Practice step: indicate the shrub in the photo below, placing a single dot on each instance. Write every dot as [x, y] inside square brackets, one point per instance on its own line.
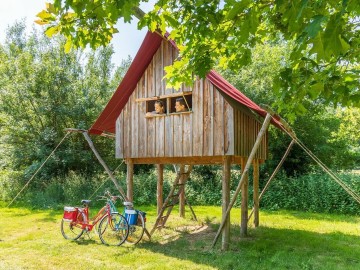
[315, 192]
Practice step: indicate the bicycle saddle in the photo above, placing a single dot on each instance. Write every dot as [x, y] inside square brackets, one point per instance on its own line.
[87, 202]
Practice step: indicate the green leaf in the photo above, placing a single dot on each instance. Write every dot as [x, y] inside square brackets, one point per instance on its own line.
[52, 30]
[171, 20]
[315, 90]
[246, 57]
[301, 9]
[173, 34]
[236, 9]
[354, 6]
[69, 15]
[300, 109]
[315, 26]
[344, 44]
[50, 8]
[128, 11]
[41, 22]
[44, 15]
[318, 47]
[153, 26]
[68, 45]
[333, 45]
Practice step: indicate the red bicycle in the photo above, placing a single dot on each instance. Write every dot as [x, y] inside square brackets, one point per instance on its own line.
[113, 227]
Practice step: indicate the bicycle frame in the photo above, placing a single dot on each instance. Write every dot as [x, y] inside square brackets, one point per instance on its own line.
[112, 228]
[88, 225]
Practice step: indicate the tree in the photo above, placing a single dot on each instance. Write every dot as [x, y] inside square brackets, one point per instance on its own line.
[330, 134]
[42, 92]
[324, 58]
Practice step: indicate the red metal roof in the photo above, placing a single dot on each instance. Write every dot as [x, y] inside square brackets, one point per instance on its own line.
[106, 120]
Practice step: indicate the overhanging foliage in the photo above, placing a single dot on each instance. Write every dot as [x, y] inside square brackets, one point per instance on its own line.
[324, 59]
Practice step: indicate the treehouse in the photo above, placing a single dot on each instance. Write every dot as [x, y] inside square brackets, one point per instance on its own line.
[219, 125]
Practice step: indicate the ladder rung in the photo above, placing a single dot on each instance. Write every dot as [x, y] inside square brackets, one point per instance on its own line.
[171, 201]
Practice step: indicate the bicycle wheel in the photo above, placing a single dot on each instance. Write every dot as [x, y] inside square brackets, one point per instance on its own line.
[136, 231]
[113, 230]
[72, 230]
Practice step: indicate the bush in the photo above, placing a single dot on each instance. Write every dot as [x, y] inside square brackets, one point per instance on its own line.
[315, 192]
[9, 184]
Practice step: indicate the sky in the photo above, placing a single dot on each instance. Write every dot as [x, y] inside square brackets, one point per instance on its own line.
[125, 43]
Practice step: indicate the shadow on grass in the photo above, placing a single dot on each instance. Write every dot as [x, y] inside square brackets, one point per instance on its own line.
[84, 242]
[264, 248]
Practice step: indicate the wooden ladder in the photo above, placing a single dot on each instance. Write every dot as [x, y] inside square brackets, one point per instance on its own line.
[172, 200]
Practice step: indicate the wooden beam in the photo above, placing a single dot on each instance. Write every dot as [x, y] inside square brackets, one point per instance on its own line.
[102, 162]
[182, 192]
[159, 190]
[242, 179]
[256, 192]
[130, 179]
[138, 13]
[186, 160]
[244, 200]
[225, 202]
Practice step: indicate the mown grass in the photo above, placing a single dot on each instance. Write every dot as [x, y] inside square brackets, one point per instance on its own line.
[31, 239]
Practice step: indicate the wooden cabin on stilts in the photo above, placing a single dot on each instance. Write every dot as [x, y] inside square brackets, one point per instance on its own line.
[219, 125]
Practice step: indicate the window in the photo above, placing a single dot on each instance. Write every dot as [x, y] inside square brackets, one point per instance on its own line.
[156, 107]
[168, 104]
[180, 104]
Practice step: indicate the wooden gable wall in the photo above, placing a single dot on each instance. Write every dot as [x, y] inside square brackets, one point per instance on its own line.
[213, 128]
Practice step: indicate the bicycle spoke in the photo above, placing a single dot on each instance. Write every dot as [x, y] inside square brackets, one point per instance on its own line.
[114, 230]
[72, 230]
[136, 231]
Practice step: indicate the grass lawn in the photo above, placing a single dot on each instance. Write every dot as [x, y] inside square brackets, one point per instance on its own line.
[285, 240]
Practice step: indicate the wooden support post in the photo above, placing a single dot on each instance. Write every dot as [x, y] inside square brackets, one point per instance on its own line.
[242, 179]
[159, 191]
[256, 192]
[225, 202]
[130, 179]
[182, 191]
[244, 199]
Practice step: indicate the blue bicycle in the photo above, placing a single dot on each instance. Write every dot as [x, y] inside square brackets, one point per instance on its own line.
[137, 221]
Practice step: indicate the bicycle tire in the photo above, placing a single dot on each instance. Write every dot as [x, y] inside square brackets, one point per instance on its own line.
[72, 230]
[136, 231]
[113, 231]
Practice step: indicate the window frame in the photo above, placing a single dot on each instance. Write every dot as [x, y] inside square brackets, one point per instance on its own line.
[168, 103]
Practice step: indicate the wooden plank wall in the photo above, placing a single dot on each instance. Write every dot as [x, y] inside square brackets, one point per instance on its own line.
[213, 128]
[246, 131]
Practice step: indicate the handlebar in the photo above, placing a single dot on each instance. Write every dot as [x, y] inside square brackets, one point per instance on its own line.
[107, 195]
